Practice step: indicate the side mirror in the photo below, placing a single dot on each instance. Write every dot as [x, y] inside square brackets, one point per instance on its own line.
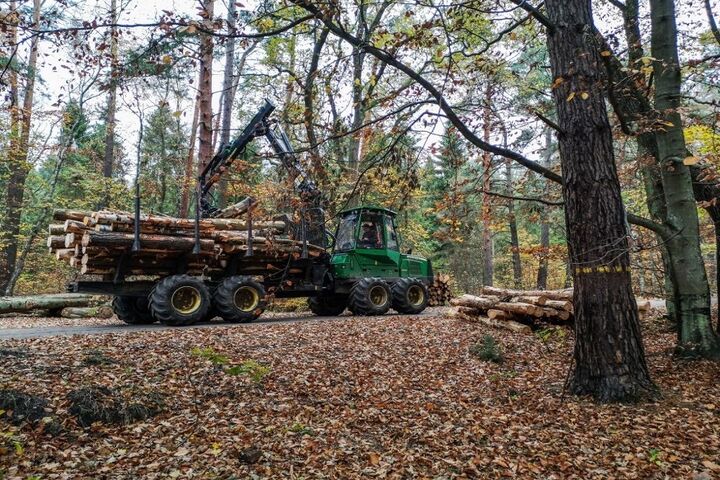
[409, 251]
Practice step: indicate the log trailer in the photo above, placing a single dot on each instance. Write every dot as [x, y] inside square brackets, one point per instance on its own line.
[360, 267]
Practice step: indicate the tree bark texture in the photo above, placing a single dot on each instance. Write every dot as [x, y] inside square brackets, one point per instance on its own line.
[609, 355]
[17, 156]
[695, 335]
[487, 241]
[109, 153]
[205, 152]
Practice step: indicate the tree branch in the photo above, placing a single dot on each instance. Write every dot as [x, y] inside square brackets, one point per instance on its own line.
[430, 88]
[711, 20]
[539, 16]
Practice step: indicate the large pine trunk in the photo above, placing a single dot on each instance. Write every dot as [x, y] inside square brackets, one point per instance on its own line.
[205, 151]
[512, 223]
[692, 299]
[487, 241]
[609, 355]
[109, 153]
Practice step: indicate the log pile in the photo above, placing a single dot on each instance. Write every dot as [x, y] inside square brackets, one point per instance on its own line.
[440, 291]
[519, 310]
[95, 242]
[515, 310]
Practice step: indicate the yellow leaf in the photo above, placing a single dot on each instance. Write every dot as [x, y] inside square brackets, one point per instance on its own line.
[584, 95]
[558, 81]
[167, 59]
[691, 160]
[605, 53]
[570, 97]
[374, 458]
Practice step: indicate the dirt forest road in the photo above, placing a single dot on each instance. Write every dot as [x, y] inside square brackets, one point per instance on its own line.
[114, 326]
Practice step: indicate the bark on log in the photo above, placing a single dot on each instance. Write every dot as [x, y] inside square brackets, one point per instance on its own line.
[93, 238]
[520, 308]
[504, 324]
[549, 294]
[565, 305]
[87, 312]
[56, 241]
[108, 218]
[500, 315]
[237, 209]
[45, 302]
[481, 303]
[56, 229]
[64, 253]
[185, 229]
[535, 299]
[60, 215]
[74, 226]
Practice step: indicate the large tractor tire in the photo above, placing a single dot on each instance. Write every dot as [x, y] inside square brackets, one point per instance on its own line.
[133, 310]
[180, 300]
[409, 295]
[328, 305]
[370, 296]
[240, 299]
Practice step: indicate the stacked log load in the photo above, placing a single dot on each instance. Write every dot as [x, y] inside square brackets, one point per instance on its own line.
[94, 243]
[518, 310]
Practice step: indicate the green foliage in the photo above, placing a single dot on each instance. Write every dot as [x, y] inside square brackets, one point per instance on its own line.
[209, 353]
[488, 350]
[252, 369]
[300, 429]
[546, 335]
[162, 175]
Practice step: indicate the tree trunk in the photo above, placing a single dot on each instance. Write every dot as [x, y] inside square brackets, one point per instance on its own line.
[609, 355]
[696, 336]
[18, 166]
[488, 272]
[308, 100]
[227, 97]
[205, 152]
[189, 178]
[514, 240]
[542, 274]
[109, 153]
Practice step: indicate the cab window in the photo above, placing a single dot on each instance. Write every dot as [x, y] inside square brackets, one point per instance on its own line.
[392, 240]
[371, 233]
[345, 238]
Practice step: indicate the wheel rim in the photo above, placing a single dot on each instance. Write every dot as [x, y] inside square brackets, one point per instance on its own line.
[378, 296]
[186, 300]
[246, 299]
[415, 295]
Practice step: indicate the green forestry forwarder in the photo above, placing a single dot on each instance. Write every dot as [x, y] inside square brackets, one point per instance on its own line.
[361, 267]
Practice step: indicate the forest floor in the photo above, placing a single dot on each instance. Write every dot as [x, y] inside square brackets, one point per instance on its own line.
[357, 398]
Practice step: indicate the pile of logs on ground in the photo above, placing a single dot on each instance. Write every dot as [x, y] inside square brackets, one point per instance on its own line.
[68, 305]
[515, 310]
[440, 291]
[94, 242]
[520, 310]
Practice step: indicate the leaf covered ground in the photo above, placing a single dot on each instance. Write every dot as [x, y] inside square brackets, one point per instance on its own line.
[354, 398]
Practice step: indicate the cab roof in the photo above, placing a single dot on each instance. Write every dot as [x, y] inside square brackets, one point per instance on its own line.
[371, 208]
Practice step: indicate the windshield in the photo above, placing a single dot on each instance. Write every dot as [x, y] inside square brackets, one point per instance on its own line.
[346, 233]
